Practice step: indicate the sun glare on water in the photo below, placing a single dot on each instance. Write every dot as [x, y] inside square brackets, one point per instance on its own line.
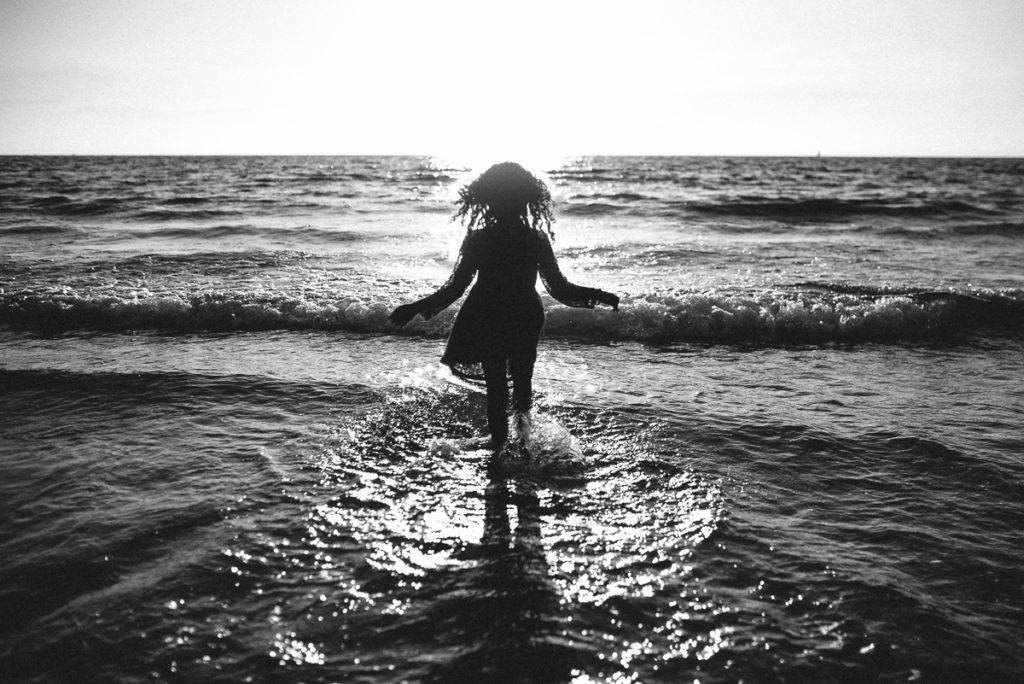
[473, 162]
[463, 166]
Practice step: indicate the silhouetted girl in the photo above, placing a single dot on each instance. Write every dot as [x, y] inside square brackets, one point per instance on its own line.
[507, 211]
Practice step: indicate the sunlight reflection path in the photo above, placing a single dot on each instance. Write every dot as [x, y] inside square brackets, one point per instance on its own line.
[583, 561]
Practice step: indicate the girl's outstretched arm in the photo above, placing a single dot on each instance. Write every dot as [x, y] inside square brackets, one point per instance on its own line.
[429, 306]
[559, 287]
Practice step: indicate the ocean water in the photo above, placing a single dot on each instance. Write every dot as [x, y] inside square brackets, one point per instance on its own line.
[794, 453]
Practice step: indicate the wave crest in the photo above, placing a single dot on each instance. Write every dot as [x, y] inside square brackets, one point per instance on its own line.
[762, 318]
[63, 205]
[833, 209]
[794, 318]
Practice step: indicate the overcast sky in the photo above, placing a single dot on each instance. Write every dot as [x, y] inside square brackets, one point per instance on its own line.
[885, 77]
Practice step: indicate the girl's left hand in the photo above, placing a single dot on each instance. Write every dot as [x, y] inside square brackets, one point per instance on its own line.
[402, 314]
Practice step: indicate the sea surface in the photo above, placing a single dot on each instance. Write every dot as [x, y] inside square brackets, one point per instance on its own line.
[795, 453]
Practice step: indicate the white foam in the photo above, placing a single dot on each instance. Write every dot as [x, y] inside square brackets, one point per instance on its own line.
[539, 440]
[678, 317]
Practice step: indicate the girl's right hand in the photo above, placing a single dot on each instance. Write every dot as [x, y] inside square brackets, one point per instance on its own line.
[402, 314]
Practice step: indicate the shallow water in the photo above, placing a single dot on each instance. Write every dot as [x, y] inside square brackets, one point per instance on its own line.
[220, 463]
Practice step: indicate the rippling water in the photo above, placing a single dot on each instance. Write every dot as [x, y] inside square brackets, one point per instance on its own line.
[794, 454]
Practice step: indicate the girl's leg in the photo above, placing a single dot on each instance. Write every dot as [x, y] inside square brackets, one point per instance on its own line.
[497, 400]
[521, 366]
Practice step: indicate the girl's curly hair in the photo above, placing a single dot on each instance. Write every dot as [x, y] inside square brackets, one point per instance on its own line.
[506, 186]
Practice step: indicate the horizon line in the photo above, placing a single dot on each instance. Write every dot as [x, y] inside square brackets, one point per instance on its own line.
[438, 154]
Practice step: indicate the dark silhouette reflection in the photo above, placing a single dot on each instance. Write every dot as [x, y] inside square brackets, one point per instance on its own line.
[507, 211]
[513, 629]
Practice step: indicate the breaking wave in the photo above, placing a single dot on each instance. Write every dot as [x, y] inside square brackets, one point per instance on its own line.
[808, 316]
[823, 210]
[63, 205]
[41, 229]
[828, 208]
[184, 214]
[243, 230]
[1013, 229]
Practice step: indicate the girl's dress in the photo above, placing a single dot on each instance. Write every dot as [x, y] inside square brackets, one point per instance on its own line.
[503, 314]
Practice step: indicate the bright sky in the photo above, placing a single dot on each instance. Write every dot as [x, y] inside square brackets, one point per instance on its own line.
[513, 78]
